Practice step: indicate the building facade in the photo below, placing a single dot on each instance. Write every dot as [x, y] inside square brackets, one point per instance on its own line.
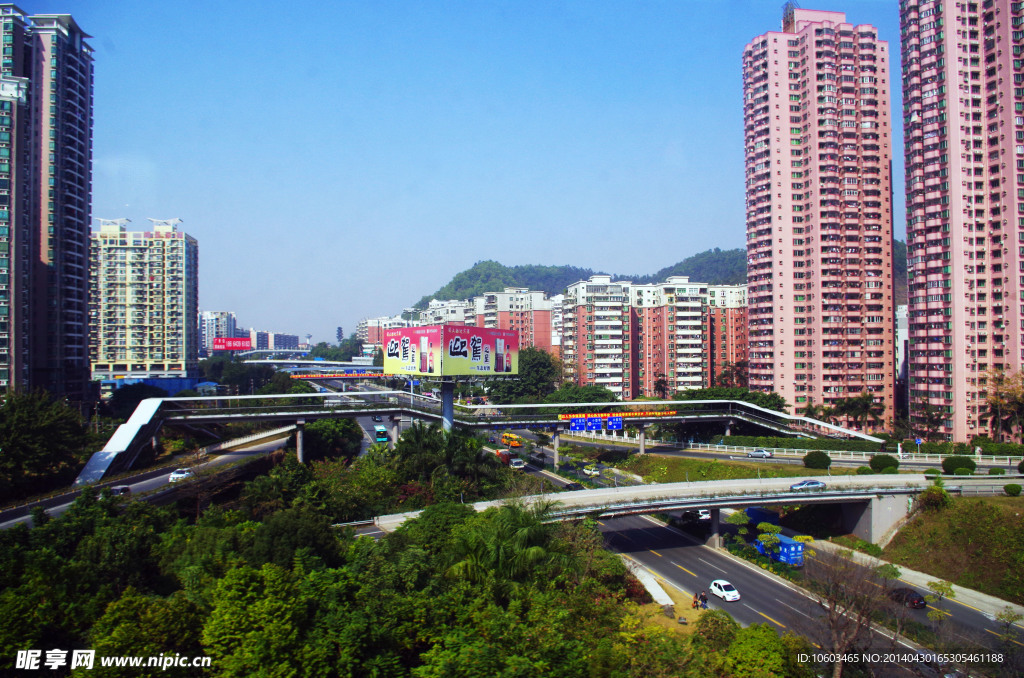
[596, 347]
[215, 325]
[144, 301]
[819, 214]
[519, 309]
[46, 118]
[963, 118]
[725, 335]
[666, 331]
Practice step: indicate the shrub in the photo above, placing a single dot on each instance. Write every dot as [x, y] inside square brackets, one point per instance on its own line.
[931, 472]
[890, 469]
[963, 472]
[864, 470]
[1020, 466]
[997, 471]
[933, 499]
[817, 459]
[878, 462]
[951, 464]
[1012, 490]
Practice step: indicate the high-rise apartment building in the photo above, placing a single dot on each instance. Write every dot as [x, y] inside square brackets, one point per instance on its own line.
[215, 325]
[725, 334]
[819, 214]
[519, 309]
[449, 312]
[667, 327]
[596, 335]
[963, 120]
[144, 301]
[46, 89]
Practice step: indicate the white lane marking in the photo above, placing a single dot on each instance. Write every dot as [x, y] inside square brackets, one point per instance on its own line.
[711, 565]
[794, 609]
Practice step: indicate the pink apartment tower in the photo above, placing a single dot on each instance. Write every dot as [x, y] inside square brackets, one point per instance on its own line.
[963, 118]
[819, 213]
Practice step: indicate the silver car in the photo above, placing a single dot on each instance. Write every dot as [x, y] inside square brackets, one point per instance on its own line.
[761, 453]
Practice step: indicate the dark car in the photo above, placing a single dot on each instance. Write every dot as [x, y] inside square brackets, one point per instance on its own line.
[120, 490]
[377, 417]
[572, 487]
[908, 598]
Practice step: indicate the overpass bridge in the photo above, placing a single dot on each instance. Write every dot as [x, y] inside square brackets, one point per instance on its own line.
[142, 428]
[871, 505]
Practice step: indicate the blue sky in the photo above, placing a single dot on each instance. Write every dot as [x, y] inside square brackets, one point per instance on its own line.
[340, 159]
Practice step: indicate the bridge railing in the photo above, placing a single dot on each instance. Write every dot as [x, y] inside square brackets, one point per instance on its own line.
[852, 455]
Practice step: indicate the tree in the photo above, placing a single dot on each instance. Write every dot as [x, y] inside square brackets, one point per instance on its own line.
[734, 375]
[333, 438]
[661, 387]
[539, 372]
[125, 399]
[39, 438]
[932, 418]
[859, 409]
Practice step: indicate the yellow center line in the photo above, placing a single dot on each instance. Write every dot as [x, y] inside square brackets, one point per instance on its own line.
[657, 554]
[948, 614]
[771, 620]
[1001, 636]
[600, 523]
[683, 569]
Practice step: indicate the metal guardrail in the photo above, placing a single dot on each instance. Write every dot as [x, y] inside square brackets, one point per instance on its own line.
[858, 455]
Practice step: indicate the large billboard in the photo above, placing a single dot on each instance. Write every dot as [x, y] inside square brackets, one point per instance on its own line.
[232, 344]
[450, 350]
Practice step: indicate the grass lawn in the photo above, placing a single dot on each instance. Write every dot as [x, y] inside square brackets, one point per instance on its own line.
[977, 542]
[679, 469]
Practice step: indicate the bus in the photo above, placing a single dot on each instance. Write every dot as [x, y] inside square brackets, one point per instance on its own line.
[380, 434]
[511, 440]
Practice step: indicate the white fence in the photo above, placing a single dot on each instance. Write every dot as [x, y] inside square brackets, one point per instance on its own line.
[840, 455]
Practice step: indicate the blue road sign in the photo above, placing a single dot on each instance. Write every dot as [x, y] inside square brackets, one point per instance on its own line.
[594, 423]
[918, 441]
[577, 424]
[614, 423]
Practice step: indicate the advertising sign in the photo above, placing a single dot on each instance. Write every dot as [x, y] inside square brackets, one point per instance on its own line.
[232, 344]
[608, 415]
[449, 350]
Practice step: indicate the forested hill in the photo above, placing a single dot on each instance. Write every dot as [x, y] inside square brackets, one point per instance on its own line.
[717, 267]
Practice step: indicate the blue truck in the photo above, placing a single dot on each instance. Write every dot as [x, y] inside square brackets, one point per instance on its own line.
[758, 515]
[790, 550]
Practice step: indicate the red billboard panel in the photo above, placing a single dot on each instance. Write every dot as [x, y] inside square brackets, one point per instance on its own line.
[232, 344]
[450, 350]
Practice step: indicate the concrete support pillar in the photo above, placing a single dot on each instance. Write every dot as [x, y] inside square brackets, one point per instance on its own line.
[728, 427]
[715, 538]
[643, 429]
[554, 444]
[447, 405]
[299, 451]
[395, 421]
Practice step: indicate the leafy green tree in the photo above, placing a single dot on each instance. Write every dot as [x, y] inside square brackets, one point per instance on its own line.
[39, 438]
[256, 623]
[878, 462]
[734, 375]
[139, 624]
[333, 438]
[124, 400]
[715, 630]
[539, 371]
[756, 652]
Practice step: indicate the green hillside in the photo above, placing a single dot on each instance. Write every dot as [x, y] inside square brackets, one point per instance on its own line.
[717, 267]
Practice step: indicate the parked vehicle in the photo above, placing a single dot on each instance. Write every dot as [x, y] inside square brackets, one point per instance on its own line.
[790, 551]
[758, 515]
[724, 590]
[181, 474]
[807, 485]
[908, 597]
[761, 453]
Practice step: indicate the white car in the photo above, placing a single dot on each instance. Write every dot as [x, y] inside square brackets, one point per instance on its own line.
[724, 590]
[591, 471]
[517, 464]
[181, 474]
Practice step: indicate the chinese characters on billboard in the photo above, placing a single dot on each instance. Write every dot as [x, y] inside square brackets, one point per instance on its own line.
[448, 350]
[232, 344]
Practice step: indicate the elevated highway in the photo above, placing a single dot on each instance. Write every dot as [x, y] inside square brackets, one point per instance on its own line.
[872, 505]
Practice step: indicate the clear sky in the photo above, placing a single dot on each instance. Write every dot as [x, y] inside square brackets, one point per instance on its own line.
[339, 159]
